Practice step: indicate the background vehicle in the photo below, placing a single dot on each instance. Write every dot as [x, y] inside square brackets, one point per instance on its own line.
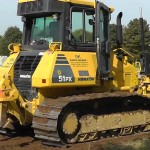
[66, 84]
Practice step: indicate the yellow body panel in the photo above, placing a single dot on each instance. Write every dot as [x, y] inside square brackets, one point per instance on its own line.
[8, 91]
[83, 2]
[77, 69]
[8, 64]
[124, 75]
[65, 69]
[23, 1]
[89, 2]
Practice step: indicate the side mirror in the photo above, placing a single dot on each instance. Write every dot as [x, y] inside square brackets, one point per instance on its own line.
[119, 36]
[91, 22]
[23, 19]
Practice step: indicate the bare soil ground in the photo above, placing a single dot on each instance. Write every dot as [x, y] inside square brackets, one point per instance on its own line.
[29, 143]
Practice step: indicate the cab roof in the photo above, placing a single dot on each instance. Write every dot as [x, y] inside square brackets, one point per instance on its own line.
[81, 2]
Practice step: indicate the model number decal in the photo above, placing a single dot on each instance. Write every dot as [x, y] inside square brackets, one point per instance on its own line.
[65, 79]
[63, 74]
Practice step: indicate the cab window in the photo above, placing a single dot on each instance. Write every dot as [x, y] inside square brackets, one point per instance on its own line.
[83, 25]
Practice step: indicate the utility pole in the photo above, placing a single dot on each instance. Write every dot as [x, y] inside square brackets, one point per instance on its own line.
[142, 30]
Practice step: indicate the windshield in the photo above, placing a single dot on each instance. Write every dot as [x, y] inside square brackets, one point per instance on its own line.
[44, 31]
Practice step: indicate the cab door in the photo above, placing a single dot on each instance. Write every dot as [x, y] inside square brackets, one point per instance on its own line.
[103, 45]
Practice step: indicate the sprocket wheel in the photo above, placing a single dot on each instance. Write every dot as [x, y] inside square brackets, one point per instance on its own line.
[70, 124]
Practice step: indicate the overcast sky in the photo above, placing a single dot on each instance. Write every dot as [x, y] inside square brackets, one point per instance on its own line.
[130, 9]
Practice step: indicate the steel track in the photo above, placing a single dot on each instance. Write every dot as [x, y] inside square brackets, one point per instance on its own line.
[48, 118]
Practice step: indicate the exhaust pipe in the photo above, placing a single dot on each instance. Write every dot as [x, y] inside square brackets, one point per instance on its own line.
[119, 36]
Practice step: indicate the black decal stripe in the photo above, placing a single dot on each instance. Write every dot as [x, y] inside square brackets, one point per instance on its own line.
[61, 59]
[62, 62]
[60, 55]
[83, 73]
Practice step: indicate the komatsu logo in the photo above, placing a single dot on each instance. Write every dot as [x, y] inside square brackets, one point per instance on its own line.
[25, 76]
[86, 79]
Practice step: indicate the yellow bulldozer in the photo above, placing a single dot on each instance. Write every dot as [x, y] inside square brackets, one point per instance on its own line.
[63, 80]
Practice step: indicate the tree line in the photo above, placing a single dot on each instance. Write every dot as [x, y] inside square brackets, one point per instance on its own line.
[12, 35]
[131, 37]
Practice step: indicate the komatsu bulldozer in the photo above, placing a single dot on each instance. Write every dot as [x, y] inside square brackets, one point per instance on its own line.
[63, 80]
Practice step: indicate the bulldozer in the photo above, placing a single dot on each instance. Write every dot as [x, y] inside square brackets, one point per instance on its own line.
[64, 81]
[143, 64]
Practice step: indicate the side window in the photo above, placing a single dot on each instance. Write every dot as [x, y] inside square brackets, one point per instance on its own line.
[89, 26]
[83, 25]
[77, 26]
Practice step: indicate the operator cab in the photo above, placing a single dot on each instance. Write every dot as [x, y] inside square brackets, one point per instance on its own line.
[47, 21]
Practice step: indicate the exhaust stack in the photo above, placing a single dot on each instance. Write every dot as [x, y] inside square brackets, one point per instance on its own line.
[119, 36]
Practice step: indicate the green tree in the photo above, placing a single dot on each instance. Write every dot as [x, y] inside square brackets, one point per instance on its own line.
[112, 36]
[0, 39]
[12, 35]
[78, 35]
[132, 36]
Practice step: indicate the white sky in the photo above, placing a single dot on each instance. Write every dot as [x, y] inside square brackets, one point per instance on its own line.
[130, 9]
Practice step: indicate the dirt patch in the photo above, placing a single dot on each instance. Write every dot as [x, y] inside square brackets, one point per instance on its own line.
[29, 143]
